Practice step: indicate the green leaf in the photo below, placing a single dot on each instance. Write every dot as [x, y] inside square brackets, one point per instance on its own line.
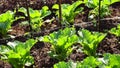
[95, 5]
[34, 13]
[4, 50]
[61, 41]
[36, 16]
[63, 64]
[20, 53]
[45, 11]
[112, 60]
[91, 3]
[5, 22]
[90, 41]
[69, 11]
[89, 62]
[115, 31]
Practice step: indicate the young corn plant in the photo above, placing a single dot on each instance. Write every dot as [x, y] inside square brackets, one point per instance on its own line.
[90, 41]
[61, 41]
[68, 12]
[6, 20]
[18, 53]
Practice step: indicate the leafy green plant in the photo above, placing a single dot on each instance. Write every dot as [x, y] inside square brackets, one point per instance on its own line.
[116, 31]
[104, 11]
[108, 61]
[18, 54]
[95, 5]
[36, 16]
[111, 61]
[63, 64]
[89, 62]
[69, 11]
[5, 22]
[61, 41]
[90, 41]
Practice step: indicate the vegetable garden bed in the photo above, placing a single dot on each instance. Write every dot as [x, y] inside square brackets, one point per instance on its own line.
[35, 34]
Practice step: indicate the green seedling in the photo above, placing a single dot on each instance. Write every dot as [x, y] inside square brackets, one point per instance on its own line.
[18, 54]
[61, 41]
[69, 12]
[90, 41]
[36, 16]
[116, 31]
[6, 20]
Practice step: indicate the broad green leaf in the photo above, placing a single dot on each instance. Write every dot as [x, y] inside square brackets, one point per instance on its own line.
[69, 11]
[63, 64]
[55, 6]
[89, 62]
[4, 49]
[34, 13]
[20, 53]
[112, 60]
[115, 31]
[45, 11]
[90, 40]
[36, 16]
[5, 22]
[61, 41]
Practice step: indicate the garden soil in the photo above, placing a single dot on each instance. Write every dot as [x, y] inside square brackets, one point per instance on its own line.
[110, 44]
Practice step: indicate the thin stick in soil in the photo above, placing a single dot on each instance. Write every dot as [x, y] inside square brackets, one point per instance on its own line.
[60, 12]
[99, 15]
[29, 20]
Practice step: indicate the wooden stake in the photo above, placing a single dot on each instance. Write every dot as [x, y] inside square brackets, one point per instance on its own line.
[60, 12]
[28, 14]
[99, 15]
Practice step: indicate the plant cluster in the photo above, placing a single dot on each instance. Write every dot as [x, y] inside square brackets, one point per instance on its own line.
[6, 20]
[69, 12]
[104, 10]
[36, 16]
[108, 61]
[18, 53]
[116, 31]
[90, 41]
[61, 43]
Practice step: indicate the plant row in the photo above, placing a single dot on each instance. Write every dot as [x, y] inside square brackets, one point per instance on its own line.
[108, 61]
[69, 12]
[61, 47]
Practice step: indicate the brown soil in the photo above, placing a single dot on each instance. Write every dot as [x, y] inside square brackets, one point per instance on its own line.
[43, 60]
[4, 65]
[109, 45]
